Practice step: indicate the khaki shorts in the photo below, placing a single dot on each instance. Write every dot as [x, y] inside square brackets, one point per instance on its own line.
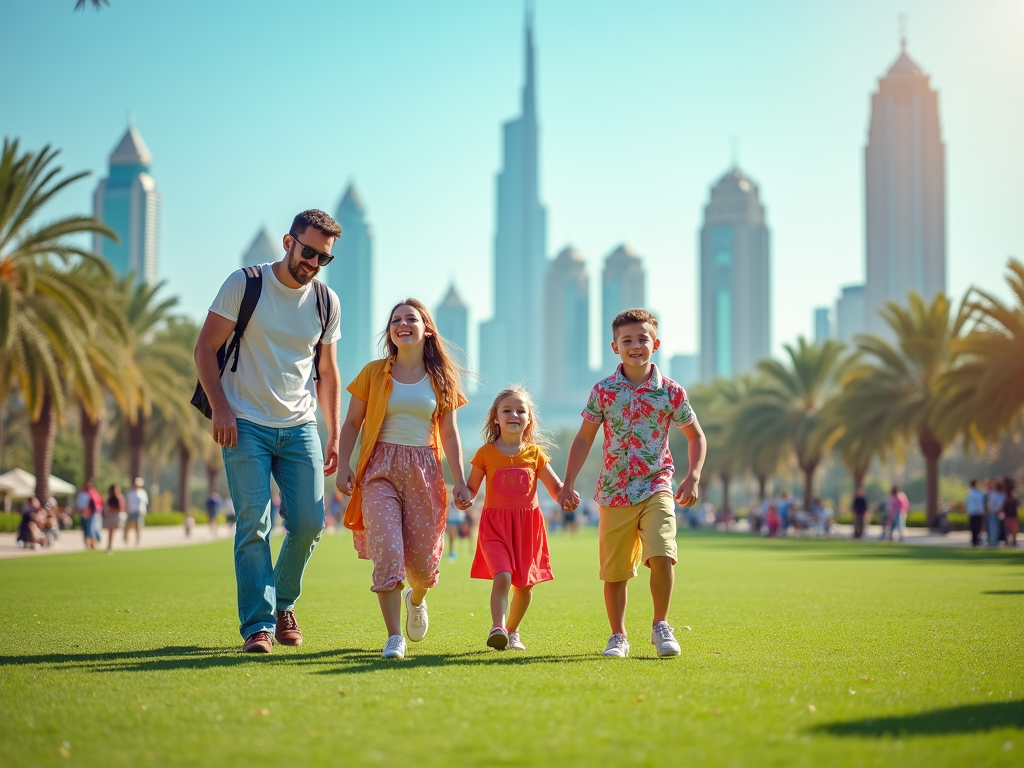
[640, 532]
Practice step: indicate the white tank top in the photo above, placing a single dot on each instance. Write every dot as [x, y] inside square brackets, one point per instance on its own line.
[409, 419]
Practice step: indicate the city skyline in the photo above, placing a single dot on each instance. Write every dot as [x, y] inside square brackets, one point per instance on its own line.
[598, 160]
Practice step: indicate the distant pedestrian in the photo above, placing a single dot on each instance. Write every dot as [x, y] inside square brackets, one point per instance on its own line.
[138, 507]
[896, 518]
[974, 505]
[994, 500]
[264, 417]
[1011, 511]
[860, 510]
[213, 505]
[785, 512]
[772, 520]
[113, 515]
[96, 504]
[29, 534]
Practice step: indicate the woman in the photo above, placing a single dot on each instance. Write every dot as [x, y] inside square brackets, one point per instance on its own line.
[404, 404]
[113, 515]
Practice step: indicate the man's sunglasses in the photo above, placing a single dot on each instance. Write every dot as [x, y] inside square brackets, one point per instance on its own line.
[322, 259]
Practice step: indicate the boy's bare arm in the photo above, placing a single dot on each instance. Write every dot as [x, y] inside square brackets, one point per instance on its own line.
[696, 450]
[578, 453]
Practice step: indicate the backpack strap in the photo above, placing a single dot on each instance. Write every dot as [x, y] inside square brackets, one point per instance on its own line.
[324, 310]
[253, 289]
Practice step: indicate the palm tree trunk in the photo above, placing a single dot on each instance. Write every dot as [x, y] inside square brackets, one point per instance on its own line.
[726, 479]
[212, 471]
[762, 487]
[184, 467]
[859, 472]
[44, 432]
[931, 449]
[808, 484]
[136, 444]
[91, 431]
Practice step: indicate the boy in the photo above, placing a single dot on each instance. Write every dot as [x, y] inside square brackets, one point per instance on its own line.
[637, 406]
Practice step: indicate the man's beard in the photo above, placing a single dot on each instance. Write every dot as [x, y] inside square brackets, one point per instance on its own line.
[295, 264]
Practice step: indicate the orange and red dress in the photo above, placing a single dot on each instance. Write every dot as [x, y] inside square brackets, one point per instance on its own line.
[512, 536]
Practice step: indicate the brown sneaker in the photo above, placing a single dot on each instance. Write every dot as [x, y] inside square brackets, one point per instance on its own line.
[287, 631]
[258, 642]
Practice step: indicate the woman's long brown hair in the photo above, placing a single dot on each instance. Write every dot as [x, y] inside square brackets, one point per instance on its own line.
[445, 373]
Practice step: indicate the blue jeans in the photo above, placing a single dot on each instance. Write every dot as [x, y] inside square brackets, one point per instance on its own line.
[992, 528]
[295, 458]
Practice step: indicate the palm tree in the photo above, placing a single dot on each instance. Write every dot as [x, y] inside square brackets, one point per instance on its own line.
[755, 451]
[896, 387]
[985, 388]
[860, 431]
[786, 407]
[712, 404]
[47, 317]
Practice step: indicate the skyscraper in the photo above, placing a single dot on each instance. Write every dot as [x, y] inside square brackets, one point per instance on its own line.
[623, 286]
[850, 313]
[735, 304]
[510, 342]
[567, 330]
[262, 250]
[905, 192]
[452, 320]
[822, 325]
[683, 369]
[351, 277]
[128, 202]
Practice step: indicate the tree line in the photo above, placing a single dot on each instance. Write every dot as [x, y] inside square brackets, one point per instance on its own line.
[73, 335]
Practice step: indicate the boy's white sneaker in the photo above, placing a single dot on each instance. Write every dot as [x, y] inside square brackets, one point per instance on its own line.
[664, 639]
[618, 646]
[395, 648]
[416, 621]
[514, 643]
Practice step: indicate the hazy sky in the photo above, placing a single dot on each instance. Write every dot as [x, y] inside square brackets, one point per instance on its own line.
[256, 110]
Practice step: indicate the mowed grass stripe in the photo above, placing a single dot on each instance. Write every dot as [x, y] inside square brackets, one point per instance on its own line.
[799, 653]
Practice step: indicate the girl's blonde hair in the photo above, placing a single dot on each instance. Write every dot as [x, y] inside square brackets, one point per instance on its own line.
[532, 434]
[445, 372]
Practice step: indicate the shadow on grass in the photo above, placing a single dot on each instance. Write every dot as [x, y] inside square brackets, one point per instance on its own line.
[342, 660]
[969, 718]
[1004, 592]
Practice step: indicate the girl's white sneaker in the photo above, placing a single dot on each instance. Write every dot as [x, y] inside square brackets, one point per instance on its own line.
[514, 643]
[498, 639]
[416, 621]
[664, 639]
[395, 648]
[617, 646]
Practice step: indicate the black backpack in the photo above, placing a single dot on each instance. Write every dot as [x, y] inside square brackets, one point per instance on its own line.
[253, 289]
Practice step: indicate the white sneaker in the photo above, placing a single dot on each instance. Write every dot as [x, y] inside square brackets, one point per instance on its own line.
[395, 648]
[514, 643]
[664, 640]
[498, 639]
[618, 646]
[416, 621]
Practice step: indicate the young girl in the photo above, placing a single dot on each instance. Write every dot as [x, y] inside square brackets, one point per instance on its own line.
[511, 544]
[405, 406]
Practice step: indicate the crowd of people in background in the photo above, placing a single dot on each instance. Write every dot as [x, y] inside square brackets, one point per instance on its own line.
[993, 506]
[783, 516]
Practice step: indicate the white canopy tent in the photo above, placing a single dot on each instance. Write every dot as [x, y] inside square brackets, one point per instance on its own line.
[19, 484]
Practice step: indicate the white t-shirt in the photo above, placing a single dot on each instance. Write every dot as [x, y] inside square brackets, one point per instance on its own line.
[273, 385]
[409, 419]
[137, 500]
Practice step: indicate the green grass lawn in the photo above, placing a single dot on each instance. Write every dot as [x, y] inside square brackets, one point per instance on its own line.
[799, 653]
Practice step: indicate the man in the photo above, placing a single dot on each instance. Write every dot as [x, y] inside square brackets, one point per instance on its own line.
[860, 510]
[974, 505]
[138, 505]
[264, 416]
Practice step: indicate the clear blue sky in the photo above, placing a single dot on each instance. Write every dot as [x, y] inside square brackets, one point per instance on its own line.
[256, 110]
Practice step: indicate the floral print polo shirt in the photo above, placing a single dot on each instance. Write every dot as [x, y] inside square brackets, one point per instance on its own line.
[637, 462]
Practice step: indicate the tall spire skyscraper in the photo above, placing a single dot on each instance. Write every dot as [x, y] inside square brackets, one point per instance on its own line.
[510, 348]
[905, 192]
[351, 277]
[128, 202]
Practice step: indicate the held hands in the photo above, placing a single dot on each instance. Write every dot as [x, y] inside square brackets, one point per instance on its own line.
[463, 496]
[225, 428]
[688, 492]
[344, 481]
[568, 499]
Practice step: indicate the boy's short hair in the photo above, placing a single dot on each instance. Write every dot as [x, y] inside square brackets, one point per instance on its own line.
[314, 218]
[630, 316]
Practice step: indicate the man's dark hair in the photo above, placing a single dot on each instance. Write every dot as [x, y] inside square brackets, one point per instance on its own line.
[314, 217]
[974, 483]
[630, 316]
